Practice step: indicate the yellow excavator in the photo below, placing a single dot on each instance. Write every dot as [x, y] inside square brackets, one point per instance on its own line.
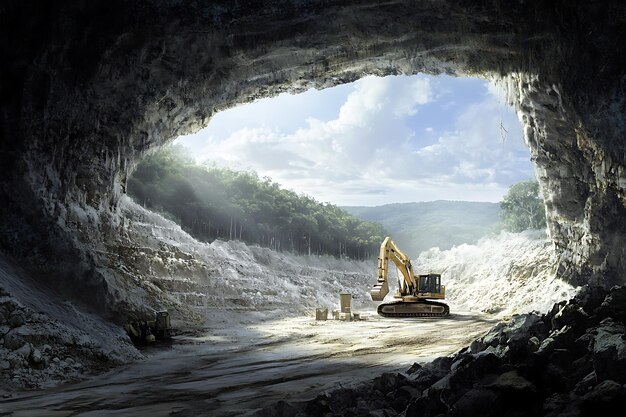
[414, 291]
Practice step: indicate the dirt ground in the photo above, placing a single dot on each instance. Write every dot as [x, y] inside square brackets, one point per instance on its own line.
[231, 369]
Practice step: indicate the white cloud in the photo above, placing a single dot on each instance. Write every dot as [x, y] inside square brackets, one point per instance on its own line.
[418, 93]
[370, 152]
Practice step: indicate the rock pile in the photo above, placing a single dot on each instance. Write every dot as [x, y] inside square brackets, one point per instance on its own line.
[37, 351]
[568, 362]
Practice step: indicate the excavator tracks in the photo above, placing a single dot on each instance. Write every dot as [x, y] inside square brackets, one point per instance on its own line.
[414, 309]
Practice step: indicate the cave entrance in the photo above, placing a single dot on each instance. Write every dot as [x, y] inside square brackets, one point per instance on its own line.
[383, 140]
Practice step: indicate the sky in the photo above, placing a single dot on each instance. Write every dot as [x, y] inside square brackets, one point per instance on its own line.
[376, 141]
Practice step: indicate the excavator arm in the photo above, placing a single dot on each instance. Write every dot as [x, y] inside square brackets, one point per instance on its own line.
[390, 251]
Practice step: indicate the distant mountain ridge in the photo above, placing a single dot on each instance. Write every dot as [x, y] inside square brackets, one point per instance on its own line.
[417, 227]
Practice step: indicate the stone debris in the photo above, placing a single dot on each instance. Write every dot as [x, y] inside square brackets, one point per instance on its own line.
[37, 351]
[568, 362]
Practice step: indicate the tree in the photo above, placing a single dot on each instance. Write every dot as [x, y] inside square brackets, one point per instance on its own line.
[522, 207]
[218, 203]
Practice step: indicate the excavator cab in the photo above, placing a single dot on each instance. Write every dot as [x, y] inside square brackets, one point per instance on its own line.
[429, 283]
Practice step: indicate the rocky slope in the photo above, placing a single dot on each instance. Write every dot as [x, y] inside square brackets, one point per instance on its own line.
[229, 274]
[46, 340]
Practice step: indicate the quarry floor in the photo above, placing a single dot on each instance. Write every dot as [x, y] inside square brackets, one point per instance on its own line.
[229, 369]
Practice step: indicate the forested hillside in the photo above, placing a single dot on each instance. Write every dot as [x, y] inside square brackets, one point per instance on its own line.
[419, 226]
[210, 203]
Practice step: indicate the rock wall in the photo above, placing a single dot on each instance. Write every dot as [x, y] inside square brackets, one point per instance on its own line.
[579, 160]
[90, 87]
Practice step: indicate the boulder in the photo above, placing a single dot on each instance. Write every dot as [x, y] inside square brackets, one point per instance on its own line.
[547, 346]
[533, 344]
[401, 397]
[477, 345]
[561, 338]
[469, 369]
[16, 360]
[425, 377]
[13, 341]
[614, 305]
[389, 381]
[414, 368]
[36, 357]
[554, 379]
[511, 381]
[284, 409]
[479, 402]
[604, 399]
[516, 394]
[427, 405]
[341, 399]
[8, 304]
[519, 347]
[25, 350]
[589, 297]
[4, 314]
[16, 320]
[524, 324]
[492, 338]
[318, 406]
[440, 366]
[609, 351]
[562, 405]
[586, 384]
[580, 369]
[570, 314]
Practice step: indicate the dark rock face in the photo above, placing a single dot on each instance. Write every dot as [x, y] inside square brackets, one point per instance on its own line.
[577, 370]
[89, 87]
[38, 350]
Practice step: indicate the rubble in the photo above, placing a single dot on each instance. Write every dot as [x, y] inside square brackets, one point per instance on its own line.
[38, 351]
[570, 361]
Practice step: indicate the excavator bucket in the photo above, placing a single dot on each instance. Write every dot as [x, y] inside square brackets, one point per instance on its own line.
[379, 291]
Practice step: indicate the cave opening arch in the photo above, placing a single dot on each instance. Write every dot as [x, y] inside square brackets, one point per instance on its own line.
[99, 85]
[395, 139]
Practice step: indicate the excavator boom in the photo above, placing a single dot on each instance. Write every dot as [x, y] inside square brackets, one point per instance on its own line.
[389, 250]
